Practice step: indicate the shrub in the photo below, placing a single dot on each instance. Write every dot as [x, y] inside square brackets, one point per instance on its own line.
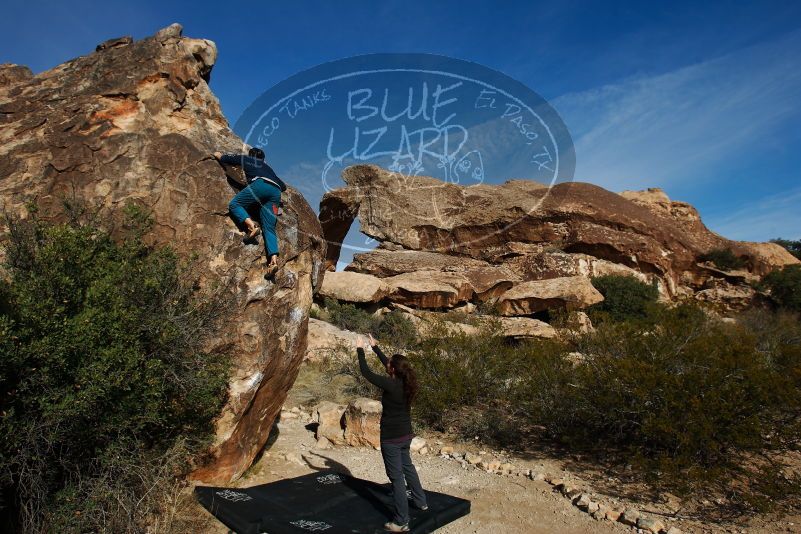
[336, 377]
[349, 317]
[392, 329]
[793, 247]
[396, 330]
[474, 385]
[723, 258]
[687, 398]
[684, 398]
[103, 374]
[785, 287]
[625, 297]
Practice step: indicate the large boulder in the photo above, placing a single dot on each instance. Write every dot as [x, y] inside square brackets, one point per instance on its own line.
[567, 293]
[11, 74]
[353, 287]
[762, 258]
[136, 122]
[728, 297]
[363, 423]
[434, 324]
[385, 263]
[526, 327]
[647, 233]
[325, 340]
[430, 323]
[486, 280]
[330, 422]
[429, 289]
[557, 264]
[656, 200]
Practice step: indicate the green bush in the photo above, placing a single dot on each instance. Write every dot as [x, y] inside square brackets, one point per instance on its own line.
[349, 317]
[101, 355]
[625, 297]
[785, 287]
[474, 385]
[392, 329]
[396, 330]
[723, 258]
[684, 398]
[793, 247]
[688, 398]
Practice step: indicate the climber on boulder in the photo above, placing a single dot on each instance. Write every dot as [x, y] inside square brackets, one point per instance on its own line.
[262, 196]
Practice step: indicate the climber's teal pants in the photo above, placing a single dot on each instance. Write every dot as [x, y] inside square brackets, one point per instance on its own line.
[262, 200]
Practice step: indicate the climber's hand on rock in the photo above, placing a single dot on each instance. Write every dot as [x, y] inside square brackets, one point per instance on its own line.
[372, 340]
[360, 342]
[217, 155]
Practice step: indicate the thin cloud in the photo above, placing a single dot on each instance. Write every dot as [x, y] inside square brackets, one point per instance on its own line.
[664, 129]
[770, 217]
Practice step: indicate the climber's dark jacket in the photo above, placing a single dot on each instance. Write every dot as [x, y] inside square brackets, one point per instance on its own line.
[254, 168]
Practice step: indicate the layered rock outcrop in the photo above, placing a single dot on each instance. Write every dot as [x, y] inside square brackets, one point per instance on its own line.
[353, 287]
[527, 248]
[325, 340]
[136, 122]
[565, 293]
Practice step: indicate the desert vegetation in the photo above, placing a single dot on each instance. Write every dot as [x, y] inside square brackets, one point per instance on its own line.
[678, 397]
[107, 389]
[785, 287]
[723, 258]
[625, 298]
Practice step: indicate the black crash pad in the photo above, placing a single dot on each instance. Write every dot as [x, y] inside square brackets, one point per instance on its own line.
[321, 502]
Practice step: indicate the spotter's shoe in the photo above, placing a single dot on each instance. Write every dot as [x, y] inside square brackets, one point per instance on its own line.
[394, 527]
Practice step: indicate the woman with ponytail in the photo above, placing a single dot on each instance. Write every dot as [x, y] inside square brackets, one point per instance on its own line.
[399, 390]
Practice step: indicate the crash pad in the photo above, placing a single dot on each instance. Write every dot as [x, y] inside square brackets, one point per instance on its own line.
[324, 501]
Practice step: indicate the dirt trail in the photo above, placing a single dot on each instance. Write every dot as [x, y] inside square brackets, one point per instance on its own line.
[500, 504]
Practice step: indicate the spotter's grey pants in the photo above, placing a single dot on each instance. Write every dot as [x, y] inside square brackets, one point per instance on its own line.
[402, 474]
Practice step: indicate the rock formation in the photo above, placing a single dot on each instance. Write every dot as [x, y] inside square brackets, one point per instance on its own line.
[363, 423]
[136, 122]
[325, 340]
[528, 248]
[353, 287]
[564, 293]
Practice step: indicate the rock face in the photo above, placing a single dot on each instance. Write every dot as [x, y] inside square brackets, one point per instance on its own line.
[525, 327]
[11, 74]
[645, 232]
[330, 424]
[353, 287]
[486, 280]
[429, 289]
[524, 248]
[325, 339]
[567, 293]
[363, 423]
[136, 122]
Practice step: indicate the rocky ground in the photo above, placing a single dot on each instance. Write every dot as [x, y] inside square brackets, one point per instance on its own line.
[500, 503]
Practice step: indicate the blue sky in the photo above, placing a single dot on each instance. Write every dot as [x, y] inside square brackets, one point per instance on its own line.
[702, 99]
